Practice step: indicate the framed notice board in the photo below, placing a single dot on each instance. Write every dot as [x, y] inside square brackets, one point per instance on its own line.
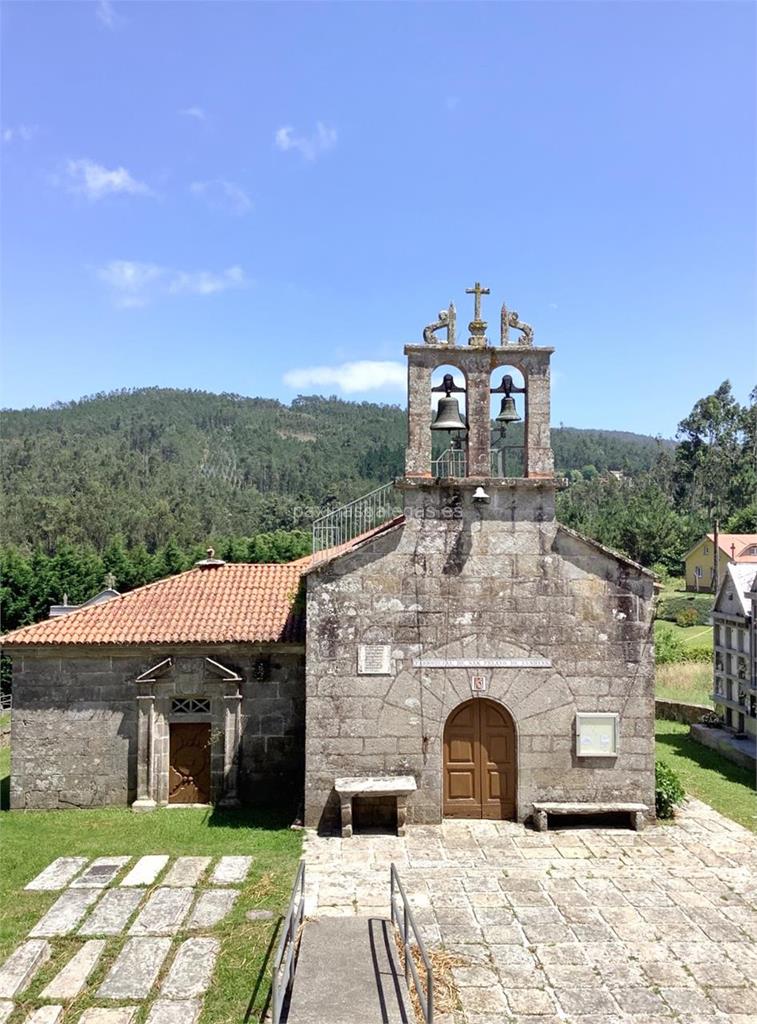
[597, 733]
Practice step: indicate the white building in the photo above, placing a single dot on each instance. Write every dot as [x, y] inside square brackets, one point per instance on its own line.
[735, 649]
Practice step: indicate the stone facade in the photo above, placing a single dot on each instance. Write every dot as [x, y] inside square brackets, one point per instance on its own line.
[86, 733]
[464, 580]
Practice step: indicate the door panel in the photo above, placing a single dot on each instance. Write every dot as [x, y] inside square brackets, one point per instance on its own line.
[189, 763]
[480, 764]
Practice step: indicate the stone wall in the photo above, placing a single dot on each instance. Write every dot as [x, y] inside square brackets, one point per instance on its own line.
[677, 711]
[460, 580]
[75, 720]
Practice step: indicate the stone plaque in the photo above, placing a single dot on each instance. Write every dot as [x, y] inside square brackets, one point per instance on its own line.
[482, 663]
[479, 684]
[374, 659]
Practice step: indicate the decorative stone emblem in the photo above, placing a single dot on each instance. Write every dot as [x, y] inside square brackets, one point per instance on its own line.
[477, 326]
[508, 319]
[447, 321]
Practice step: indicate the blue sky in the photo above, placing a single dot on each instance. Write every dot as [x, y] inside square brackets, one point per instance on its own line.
[246, 197]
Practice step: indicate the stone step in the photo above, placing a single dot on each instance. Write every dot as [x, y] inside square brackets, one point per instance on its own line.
[347, 971]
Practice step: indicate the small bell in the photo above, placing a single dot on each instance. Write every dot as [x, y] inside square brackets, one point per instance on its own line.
[448, 415]
[508, 413]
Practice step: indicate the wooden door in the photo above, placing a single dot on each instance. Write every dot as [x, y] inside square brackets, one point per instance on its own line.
[480, 764]
[189, 764]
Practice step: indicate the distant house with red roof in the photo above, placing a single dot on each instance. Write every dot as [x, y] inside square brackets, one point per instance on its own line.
[735, 549]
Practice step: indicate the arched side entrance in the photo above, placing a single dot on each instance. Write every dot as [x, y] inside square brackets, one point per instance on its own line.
[480, 762]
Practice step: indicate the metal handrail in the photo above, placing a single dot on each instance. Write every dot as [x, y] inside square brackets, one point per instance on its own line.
[453, 462]
[282, 974]
[348, 521]
[405, 923]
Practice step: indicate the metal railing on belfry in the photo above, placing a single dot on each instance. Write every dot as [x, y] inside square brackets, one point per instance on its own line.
[402, 918]
[349, 521]
[282, 974]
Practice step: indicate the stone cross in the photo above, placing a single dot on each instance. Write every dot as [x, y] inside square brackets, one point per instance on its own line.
[477, 326]
[478, 291]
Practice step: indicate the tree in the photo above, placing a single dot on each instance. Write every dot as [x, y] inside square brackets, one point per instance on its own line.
[711, 475]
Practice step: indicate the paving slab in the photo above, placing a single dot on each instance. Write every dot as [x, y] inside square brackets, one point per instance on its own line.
[109, 1015]
[57, 875]
[135, 969]
[21, 966]
[146, 870]
[50, 1014]
[100, 873]
[186, 871]
[66, 913]
[192, 969]
[348, 971]
[174, 1011]
[211, 907]
[163, 913]
[6, 1009]
[71, 979]
[231, 870]
[112, 913]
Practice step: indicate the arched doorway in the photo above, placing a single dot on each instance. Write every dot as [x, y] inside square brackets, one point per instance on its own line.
[480, 762]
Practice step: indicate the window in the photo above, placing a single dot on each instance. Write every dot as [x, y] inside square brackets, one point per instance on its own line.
[706, 550]
[698, 571]
[190, 706]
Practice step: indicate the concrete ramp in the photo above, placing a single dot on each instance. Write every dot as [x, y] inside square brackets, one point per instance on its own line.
[348, 972]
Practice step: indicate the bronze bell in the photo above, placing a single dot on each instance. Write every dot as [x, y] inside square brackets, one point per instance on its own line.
[508, 413]
[448, 415]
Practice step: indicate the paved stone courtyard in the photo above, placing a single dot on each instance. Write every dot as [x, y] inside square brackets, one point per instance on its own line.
[592, 926]
[135, 914]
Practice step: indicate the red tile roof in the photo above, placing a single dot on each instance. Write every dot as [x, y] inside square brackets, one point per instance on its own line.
[227, 603]
[739, 542]
[223, 603]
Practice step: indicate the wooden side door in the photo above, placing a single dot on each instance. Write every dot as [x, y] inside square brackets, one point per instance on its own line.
[480, 764]
[189, 763]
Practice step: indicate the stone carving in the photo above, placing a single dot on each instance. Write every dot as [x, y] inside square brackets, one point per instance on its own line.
[508, 319]
[446, 321]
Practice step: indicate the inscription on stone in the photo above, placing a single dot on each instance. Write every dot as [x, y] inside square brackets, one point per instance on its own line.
[374, 659]
[482, 663]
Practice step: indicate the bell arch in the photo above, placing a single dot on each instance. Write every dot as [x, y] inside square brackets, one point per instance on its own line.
[480, 761]
[508, 411]
[448, 400]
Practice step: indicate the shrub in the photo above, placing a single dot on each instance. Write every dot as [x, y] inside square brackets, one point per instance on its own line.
[701, 604]
[669, 792]
[693, 652]
[687, 617]
[668, 647]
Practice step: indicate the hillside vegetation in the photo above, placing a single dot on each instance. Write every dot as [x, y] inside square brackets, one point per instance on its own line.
[155, 464]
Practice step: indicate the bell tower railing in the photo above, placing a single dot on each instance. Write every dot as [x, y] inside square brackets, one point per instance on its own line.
[349, 521]
[506, 462]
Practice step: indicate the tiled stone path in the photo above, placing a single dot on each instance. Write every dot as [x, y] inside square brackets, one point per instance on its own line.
[582, 926]
[91, 894]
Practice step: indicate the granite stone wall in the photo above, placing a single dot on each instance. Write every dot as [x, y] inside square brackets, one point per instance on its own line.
[461, 580]
[75, 721]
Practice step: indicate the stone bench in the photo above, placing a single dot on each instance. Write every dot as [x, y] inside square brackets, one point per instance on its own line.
[635, 811]
[375, 785]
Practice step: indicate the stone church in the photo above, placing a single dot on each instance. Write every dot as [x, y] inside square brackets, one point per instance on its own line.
[449, 650]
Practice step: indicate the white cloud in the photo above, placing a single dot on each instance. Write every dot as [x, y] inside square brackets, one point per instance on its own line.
[196, 112]
[95, 181]
[364, 375]
[20, 133]
[309, 146]
[133, 284]
[107, 16]
[221, 194]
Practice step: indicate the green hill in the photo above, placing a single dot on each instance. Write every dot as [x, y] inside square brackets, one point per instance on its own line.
[156, 463]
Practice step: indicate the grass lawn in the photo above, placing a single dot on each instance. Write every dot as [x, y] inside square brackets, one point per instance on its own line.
[699, 636]
[687, 681]
[707, 775]
[32, 839]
